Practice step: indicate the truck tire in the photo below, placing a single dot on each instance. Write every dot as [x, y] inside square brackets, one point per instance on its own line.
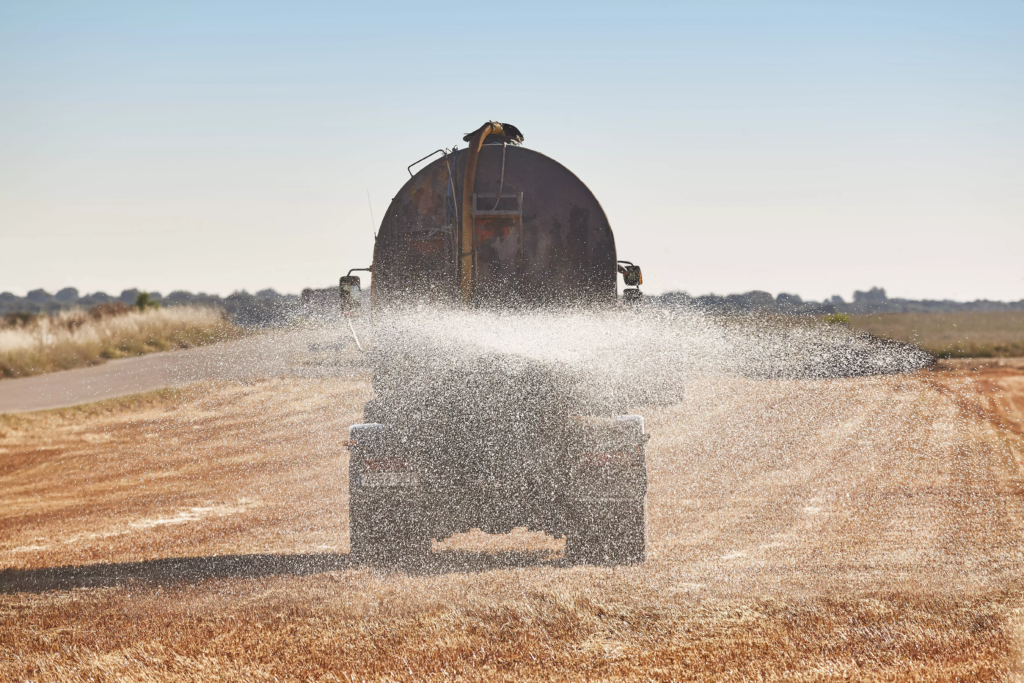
[386, 531]
[609, 532]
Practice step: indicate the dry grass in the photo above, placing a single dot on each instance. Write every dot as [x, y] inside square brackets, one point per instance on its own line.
[861, 529]
[70, 339]
[951, 335]
[507, 626]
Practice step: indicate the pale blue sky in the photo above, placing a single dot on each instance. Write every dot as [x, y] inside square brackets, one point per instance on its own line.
[809, 147]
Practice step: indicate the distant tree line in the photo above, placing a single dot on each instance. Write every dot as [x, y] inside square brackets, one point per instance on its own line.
[265, 308]
[268, 308]
[872, 301]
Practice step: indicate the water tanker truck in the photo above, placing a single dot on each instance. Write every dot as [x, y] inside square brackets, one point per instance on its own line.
[451, 447]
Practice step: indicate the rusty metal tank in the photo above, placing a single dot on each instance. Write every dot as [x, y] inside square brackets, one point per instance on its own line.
[540, 237]
[495, 440]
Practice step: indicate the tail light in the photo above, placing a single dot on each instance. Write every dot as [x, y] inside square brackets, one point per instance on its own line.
[374, 462]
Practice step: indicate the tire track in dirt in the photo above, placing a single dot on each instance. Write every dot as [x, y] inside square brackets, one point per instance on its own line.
[859, 484]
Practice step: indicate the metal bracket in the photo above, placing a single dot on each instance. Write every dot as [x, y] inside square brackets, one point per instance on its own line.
[518, 211]
[441, 151]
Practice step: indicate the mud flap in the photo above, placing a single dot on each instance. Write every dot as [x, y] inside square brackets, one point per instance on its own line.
[607, 514]
[387, 525]
[387, 529]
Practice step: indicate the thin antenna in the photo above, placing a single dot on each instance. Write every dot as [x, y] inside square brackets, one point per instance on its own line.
[354, 336]
[373, 223]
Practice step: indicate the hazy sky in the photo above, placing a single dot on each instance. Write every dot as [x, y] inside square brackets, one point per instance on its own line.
[809, 147]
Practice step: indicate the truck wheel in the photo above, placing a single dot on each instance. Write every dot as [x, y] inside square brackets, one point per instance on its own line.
[609, 532]
[386, 532]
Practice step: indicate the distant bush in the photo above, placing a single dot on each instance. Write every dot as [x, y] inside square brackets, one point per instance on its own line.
[19, 319]
[838, 319]
[109, 310]
[143, 301]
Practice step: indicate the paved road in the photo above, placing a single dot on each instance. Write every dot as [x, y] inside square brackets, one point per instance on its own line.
[306, 353]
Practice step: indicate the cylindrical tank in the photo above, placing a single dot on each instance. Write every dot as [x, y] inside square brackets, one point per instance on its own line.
[540, 237]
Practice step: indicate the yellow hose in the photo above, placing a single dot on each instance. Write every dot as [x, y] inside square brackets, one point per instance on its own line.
[468, 184]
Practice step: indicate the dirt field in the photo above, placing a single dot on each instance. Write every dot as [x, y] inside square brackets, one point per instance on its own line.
[865, 529]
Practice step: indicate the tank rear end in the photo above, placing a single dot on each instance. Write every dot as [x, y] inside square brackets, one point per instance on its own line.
[540, 237]
[492, 443]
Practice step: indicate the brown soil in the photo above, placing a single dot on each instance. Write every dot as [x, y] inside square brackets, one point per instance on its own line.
[800, 530]
[998, 384]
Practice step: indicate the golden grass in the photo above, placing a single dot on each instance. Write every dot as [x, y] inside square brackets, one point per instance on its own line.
[505, 626]
[951, 335]
[71, 339]
[761, 567]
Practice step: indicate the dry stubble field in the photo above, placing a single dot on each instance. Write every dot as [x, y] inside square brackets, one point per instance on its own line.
[800, 530]
[965, 334]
